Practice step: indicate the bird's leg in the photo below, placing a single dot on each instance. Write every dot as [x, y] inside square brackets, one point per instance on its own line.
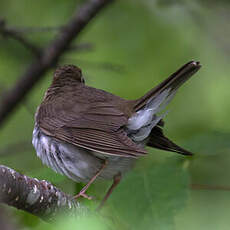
[116, 181]
[82, 192]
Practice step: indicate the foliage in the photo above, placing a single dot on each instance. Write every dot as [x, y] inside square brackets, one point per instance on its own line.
[136, 44]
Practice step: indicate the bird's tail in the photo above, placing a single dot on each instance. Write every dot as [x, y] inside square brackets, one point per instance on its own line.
[158, 140]
[166, 90]
[144, 124]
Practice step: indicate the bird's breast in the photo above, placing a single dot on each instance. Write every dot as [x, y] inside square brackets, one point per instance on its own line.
[77, 163]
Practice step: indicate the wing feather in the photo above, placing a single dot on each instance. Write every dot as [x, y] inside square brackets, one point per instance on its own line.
[100, 127]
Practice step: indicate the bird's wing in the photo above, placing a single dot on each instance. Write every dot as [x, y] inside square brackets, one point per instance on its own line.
[98, 127]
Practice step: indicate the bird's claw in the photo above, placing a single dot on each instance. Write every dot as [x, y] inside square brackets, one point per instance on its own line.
[83, 194]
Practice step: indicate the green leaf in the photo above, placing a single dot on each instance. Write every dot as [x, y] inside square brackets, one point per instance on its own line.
[150, 199]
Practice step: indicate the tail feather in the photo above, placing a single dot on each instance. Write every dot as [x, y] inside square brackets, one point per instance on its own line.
[145, 123]
[159, 141]
[170, 85]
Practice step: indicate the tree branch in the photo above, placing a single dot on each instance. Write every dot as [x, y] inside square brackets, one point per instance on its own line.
[39, 198]
[50, 56]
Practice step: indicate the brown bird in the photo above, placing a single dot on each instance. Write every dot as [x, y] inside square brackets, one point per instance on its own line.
[87, 133]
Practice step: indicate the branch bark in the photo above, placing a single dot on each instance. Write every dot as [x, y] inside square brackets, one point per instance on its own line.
[39, 198]
[50, 56]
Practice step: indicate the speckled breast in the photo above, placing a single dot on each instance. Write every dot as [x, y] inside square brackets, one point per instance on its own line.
[79, 164]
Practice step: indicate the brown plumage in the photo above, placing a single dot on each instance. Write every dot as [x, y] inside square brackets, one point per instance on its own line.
[77, 125]
[93, 118]
[85, 116]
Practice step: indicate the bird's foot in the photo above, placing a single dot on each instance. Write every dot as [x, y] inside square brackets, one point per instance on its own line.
[83, 194]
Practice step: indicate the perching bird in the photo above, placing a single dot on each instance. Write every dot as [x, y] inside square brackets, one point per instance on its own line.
[85, 133]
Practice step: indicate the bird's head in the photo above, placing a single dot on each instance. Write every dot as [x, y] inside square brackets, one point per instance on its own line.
[68, 73]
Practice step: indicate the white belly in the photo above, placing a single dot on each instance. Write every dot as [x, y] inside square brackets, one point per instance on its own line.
[77, 163]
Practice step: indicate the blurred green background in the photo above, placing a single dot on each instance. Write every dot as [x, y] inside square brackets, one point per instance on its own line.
[135, 45]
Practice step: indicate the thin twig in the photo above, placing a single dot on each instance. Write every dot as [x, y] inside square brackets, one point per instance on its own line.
[209, 187]
[16, 34]
[107, 66]
[10, 33]
[81, 47]
[50, 56]
[25, 30]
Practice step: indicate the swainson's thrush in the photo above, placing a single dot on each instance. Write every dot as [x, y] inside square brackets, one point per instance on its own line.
[87, 133]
